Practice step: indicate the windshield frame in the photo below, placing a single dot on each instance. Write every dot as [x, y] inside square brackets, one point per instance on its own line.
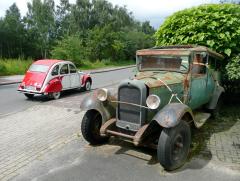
[45, 68]
[138, 61]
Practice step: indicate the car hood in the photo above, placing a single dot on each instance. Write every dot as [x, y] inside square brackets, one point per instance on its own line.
[152, 79]
[34, 78]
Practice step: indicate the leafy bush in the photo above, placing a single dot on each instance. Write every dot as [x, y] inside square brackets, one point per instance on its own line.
[69, 48]
[233, 68]
[213, 25]
[14, 66]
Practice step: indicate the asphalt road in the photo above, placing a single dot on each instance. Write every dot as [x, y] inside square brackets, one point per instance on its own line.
[12, 101]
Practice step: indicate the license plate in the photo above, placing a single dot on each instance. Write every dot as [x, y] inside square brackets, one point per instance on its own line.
[30, 88]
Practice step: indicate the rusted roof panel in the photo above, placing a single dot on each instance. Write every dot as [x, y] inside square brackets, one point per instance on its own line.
[178, 50]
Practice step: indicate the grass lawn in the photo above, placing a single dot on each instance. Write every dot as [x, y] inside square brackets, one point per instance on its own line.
[19, 67]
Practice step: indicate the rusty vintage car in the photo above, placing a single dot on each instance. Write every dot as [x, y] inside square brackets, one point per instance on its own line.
[174, 89]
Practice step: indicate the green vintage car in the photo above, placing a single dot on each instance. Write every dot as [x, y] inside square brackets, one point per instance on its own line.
[175, 88]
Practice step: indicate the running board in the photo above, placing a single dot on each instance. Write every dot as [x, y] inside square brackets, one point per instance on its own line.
[201, 118]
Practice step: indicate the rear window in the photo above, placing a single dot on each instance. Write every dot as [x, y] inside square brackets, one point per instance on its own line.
[38, 68]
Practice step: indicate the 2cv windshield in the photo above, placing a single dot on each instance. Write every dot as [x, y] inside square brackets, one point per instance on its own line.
[163, 62]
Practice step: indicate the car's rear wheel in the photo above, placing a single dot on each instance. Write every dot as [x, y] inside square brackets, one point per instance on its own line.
[87, 86]
[173, 146]
[91, 124]
[29, 96]
[54, 95]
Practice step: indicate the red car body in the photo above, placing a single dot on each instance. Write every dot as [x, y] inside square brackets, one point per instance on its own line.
[51, 77]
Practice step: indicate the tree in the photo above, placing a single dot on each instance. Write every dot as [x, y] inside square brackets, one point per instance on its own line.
[41, 20]
[147, 28]
[12, 33]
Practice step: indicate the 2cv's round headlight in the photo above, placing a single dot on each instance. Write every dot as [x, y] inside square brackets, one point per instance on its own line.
[153, 101]
[102, 94]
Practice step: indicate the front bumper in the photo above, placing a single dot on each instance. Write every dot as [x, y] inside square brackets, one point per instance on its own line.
[109, 129]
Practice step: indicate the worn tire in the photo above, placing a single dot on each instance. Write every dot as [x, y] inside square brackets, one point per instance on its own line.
[87, 86]
[29, 96]
[90, 127]
[173, 146]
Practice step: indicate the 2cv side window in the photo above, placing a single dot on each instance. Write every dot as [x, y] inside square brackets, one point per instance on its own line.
[64, 69]
[72, 68]
[55, 70]
[199, 64]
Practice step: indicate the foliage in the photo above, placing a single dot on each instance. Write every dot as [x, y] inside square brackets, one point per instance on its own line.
[214, 25]
[87, 29]
[14, 66]
[69, 48]
[233, 68]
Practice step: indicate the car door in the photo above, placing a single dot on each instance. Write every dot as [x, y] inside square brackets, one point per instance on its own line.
[65, 76]
[74, 76]
[199, 79]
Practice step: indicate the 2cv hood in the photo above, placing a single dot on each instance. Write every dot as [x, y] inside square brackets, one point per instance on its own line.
[152, 79]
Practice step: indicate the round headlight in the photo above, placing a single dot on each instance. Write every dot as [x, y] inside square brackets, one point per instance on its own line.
[102, 94]
[153, 101]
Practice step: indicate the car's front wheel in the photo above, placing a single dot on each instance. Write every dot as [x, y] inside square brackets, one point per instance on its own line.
[91, 124]
[29, 96]
[174, 145]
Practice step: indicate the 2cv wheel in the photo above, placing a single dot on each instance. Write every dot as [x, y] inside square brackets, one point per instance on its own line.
[91, 124]
[174, 145]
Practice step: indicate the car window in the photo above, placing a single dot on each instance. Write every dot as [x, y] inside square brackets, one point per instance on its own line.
[38, 68]
[55, 70]
[72, 68]
[64, 69]
[199, 64]
[163, 62]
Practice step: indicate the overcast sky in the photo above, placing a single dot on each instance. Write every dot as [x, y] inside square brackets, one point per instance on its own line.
[153, 10]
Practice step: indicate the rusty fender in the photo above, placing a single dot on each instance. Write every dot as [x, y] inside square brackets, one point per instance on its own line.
[172, 114]
[106, 108]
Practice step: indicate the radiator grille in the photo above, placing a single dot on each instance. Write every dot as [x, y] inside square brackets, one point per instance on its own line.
[126, 112]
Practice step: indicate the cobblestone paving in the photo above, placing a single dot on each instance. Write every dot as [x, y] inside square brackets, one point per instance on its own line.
[221, 140]
[27, 135]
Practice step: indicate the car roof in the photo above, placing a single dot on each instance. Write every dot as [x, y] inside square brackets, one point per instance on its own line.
[179, 49]
[48, 62]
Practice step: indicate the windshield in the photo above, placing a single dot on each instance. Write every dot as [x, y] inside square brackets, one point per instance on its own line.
[38, 68]
[163, 62]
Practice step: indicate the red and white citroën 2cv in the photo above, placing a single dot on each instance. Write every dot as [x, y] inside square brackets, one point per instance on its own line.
[51, 77]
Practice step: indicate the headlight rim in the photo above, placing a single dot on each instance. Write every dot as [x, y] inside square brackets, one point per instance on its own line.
[150, 106]
[102, 99]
